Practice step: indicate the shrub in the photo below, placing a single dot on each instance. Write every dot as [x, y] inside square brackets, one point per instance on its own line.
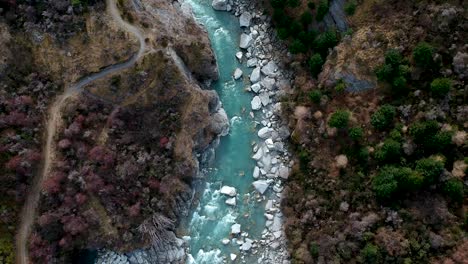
[383, 117]
[441, 86]
[297, 47]
[339, 119]
[395, 135]
[316, 63]
[315, 96]
[7, 255]
[307, 37]
[314, 249]
[340, 86]
[294, 3]
[420, 131]
[392, 179]
[422, 55]
[322, 10]
[430, 168]
[280, 17]
[370, 254]
[311, 5]
[306, 18]
[408, 179]
[295, 28]
[399, 85]
[283, 33]
[427, 135]
[453, 188]
[350, 8]
[326, 40]
[390, 151]
[394, 58]
[356, 133]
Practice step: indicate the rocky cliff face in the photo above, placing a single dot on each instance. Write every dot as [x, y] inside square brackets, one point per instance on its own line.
[126, 150]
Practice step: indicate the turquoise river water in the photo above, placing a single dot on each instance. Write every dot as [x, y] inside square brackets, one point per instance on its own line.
[212, 220]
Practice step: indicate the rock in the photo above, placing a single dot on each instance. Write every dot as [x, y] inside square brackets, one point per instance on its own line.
[231, 201]
[344, 206]
[255, 76]
[235, 229]
[277, 224]
[245, 41]
[264, 132]
[220, 123]
[237, 74]
[247, 245]
[269, 205]
[233, 256]
[220, 5]
[229, 191]
[225, 241]
[258, 155]
[256, 103]
[244, 19]
[459, 138]
[264, 98]
[239, 55]
[261, 186]
[460, 64]
[268, 83]
[459, 168]
[283, 172]
[336, 17]
[269, 144]
[270, 69]
[318, 115]
[252, 62]
[256, 172]
[341, 161]
[255, 87]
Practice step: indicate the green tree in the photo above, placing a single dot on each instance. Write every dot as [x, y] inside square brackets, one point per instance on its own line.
[383, 117]
[441, 86]
[278, 3]
[390, 151]
[356, 133]
[422, 55]
[339, 119]
[322, 10]
[315, 64]
[297, 47]
[294, 3]
[384, 183]
[306, 18]
[315, 96]
[325, 41]
[453, 188]
[370, 254]
[350, 8]
[430, 168]
[311, 5]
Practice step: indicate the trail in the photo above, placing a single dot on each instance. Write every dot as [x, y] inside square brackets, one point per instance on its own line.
[28, 213]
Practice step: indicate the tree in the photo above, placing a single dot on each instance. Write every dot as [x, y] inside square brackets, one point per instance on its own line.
[390, 151]
[339, 119]
[306, 18]
[315, 96]
[297, 47]
[356, 133]
[431, 169]
[322, 10]
[453, 188]
[440, 87]
[350, 8]
[383, 117]
[325, 41]
[316, 63]
[422, 55]
[370, 254]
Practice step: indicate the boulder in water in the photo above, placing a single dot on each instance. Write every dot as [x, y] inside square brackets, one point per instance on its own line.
[237, 74]
[255, 76]
[235, 229]
[245, 41]
[261, 186]
[228, 190]
[220, 5]
[256, 103]
[244, 19]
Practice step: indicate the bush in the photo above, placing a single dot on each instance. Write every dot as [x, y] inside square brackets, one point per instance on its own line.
[339, 119]
[350, 8]
[283, 33]
[322, 10]
[297, 47]
[430, 168]
[356, 133]
[383, 117]
[427, 135]
[422, 55]
[7, 255]
[420, 131]
[453, 188]
[370, 254]
[391, 180]
[395, 135]
[441, 86]
[306, 18]
[295, 28]
[340, 86]
[408, 179]
[311, 5]
[316, 63]
[399, 85]
[390, 151]
[307, 37]
[314, 250]
[315, 96]
[294, 3]
[326, 40]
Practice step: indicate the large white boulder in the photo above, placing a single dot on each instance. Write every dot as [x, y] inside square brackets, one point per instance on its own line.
[264, 132]
[256, 103]
[264, 98]
[283, 172]
[268, 83]
[235, 229]
[228, 190]
[245, 41]
[270, 69]
[252, 62]
[261, 186]
[247, 245]
[258, 155]
[237, 74]
[255, 87]
[255, 76]
[256, 172]
[220, 5]
[231, 201]
[244, 19]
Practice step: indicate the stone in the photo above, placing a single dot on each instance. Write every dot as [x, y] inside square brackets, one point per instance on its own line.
[268, 83]
[256, 172]
[270, 69]
[459, 138]
[235, 229]
[261, 186]
[233, 256]
[264, 132]
[255, 76]
[341, 161]
[239, 55]
[344, 206]
[258, 155]
[231, 201]
[256, 103]
[277, 224]
[229, 191]
[247, 245]
[318, 115]
[264, 98]
[244, 19]
[252, 62]
[255, 87]
[459, 168]
[283, 172]
[220, 123]
[269, 144]
[225, 241]
[220, 5]
[269, 205]
[460, 63]
[245, 41]
[237, 74]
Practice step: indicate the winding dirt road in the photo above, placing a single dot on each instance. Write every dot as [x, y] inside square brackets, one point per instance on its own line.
[28, 213]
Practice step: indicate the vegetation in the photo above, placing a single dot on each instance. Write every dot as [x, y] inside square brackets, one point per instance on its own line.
[339, 119]
[315, 96]
[322, 9]
[431, 168]
[453, 188]
[394, 71]
[316, 63]
[350, 8]
[422, 55]
[356, 133]
[440, 87]
[383, 117]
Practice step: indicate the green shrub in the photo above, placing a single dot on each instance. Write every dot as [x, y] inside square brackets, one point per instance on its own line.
[384, 72]
[7, 255]
[340, 86]
[316, 63]
[430, 168]
[356, 133]
[392, 179]
[278, 3]
[383, 117]
[76, 2]
[281, 19]
[370, 254]
[442, 140]
[295, 28]
[306, 18]
[408, 179]
[339, 119]
[297, 47]
[422, 55]
[283, 33]
[441, 86]
[394, 58]
[294, 3]
[427, 135]
[395, 134]
[311, 5]
[314, 249]
[453, 188]
[326, 40]
[399, 86]
[363, 155]
[390, 151]
[315, 96]
[350, 8]
[422, 130]
[307, 37]
[322, 10]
